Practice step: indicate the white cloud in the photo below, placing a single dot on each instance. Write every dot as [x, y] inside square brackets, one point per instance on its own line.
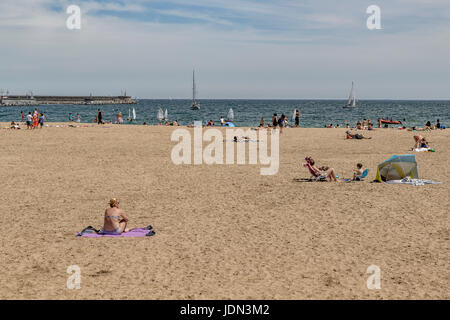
[154, 59]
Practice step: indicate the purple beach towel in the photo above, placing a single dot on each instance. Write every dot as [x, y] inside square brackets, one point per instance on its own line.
[133, 233]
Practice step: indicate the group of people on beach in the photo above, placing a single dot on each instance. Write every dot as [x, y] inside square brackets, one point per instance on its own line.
[78, 116]
[33, 120]
[281, 121]
[328, 173]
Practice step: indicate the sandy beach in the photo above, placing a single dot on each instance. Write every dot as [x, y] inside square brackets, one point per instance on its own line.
[222, 231]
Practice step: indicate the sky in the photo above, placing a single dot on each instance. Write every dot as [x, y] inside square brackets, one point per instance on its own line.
[280, 49]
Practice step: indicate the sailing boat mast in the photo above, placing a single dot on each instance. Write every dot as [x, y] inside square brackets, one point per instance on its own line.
[193, 86]
[194, 105]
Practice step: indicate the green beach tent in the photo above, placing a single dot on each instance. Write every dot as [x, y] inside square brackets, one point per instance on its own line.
[397, 168]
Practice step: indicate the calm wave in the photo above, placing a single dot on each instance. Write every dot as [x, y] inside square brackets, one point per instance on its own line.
[315, 113]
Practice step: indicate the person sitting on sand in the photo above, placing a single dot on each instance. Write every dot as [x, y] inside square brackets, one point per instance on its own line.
[418, 141]
[358, 125]
[357, 173]
[324, 170]
[115, 219]
[175, 123]
[356, 136]
[262, 123]
[14, 126]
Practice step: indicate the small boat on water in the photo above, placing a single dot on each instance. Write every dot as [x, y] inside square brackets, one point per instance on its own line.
[194, 105]
[230, 116]
[351, 103]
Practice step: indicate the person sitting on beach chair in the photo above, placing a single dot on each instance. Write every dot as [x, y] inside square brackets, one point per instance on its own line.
[115, 219]
[319, 174]
[359, 174]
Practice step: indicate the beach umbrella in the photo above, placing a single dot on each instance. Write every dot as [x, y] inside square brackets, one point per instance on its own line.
[230, 115]
[160, 115]
[398, 167]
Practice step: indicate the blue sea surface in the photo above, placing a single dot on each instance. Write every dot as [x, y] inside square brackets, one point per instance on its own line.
[315, 113]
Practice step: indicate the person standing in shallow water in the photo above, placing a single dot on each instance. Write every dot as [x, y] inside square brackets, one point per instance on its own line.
[297, 118]
[99, 116]
[274, 121]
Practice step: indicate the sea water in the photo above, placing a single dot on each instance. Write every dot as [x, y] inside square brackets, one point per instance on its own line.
[314, 113]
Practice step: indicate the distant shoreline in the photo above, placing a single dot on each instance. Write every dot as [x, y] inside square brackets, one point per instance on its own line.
[20, 101]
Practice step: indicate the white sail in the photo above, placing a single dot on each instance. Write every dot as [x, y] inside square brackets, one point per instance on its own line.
[351, 103]
[166, 115]
[134, 114]
[293, 115]
[230, 115]
[160, 115]
[129, 113]
[350, 96]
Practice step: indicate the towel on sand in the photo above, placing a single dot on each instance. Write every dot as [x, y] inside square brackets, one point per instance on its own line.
[424, 150]
[413, 182]
[133, 233]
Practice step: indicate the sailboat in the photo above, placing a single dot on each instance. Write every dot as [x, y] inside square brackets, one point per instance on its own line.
[351, 103]
[134, 114]
[166, 115]
[230, 115]
[160, 115]
[194, 105]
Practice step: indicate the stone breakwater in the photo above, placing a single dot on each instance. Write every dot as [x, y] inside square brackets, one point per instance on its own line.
[84, 100]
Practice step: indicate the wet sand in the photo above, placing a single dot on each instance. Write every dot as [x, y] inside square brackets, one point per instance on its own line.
[222, 231]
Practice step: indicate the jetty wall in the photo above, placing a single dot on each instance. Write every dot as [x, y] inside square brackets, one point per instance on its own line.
[42, 100]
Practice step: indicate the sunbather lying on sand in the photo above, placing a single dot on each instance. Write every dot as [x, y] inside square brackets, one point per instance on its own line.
[115, 219]
[356, 136]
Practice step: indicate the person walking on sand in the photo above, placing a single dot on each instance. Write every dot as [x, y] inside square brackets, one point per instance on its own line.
[78, 118]
[29, 120]
[115, 219]
[22, 115]
[35, 120]
[41, 120]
